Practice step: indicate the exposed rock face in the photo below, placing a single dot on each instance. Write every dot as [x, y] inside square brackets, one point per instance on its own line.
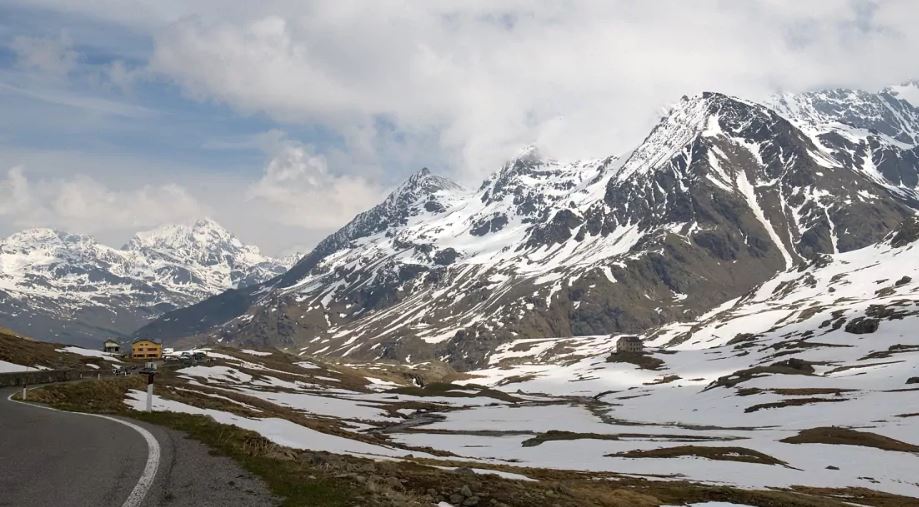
[70, 288]
[862, 325]
[907, 233]
[721, 195]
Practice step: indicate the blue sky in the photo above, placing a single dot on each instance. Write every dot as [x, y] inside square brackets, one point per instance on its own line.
[282, 119]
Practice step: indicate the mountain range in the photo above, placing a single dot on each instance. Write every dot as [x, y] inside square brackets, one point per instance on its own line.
[69, 287]
[723, 194]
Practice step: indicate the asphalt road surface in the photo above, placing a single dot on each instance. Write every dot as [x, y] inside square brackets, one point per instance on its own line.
[54, 458]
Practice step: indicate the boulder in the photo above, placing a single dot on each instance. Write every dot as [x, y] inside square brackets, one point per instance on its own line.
[862, 325]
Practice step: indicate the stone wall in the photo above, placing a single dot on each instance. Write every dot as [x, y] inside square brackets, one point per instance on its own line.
[20, 378]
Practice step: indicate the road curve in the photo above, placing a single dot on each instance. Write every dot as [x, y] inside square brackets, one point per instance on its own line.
[50, 457]
[53, 458]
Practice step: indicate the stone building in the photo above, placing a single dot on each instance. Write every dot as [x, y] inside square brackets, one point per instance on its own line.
[629, 344]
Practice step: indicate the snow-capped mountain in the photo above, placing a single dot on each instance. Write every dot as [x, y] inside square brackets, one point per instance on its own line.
[722, 194]
[202, 259]
[57, 285]
[908, 91]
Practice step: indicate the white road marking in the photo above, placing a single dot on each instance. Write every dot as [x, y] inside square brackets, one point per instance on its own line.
[153, 454]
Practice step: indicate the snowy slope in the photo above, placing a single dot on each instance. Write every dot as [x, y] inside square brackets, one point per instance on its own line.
[908, 91]
[828, 344]
[58, 285]
[874, 133]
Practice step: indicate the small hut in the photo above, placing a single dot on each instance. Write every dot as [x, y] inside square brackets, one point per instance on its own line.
[629, 345]
[111, 346]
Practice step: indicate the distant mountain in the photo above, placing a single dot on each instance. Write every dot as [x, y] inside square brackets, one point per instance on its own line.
[908, 91]
[69, 288]
[722, 194]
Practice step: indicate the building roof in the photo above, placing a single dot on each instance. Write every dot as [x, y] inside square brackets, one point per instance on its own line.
[111, 341]
[146, 340]
[630, 339]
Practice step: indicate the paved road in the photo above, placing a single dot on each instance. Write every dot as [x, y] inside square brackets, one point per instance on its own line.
[53, 458]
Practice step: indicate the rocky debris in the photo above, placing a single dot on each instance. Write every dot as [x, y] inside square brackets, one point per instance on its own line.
[912, 380]
[906, 233]
[556, 230]
[446, 257]
[488, 225]
[862, 325]
[464, 497]
[434, 207]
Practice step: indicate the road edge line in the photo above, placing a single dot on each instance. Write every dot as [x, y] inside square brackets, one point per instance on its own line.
[145, 482]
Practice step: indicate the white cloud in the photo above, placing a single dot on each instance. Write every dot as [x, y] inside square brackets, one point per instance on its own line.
[47, 55]
[580, 78]
[83, 204]
[297, 189]
[386, 87]
[83, 102]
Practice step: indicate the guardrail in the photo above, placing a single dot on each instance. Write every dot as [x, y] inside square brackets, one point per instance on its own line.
[23, 378]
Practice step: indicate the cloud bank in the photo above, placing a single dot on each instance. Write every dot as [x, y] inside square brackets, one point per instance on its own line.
[297, 189]
[342, 100]
[83, 204]
[581, 79]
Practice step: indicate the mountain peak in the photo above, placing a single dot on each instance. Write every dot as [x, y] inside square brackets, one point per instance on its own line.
[208, 223]
[683, 122]
[421, 183]
[46, 236]
[178, 236]
[529, 153]
[891, 113]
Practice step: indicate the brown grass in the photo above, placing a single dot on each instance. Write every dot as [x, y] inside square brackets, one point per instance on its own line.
[454, 391]
[554, 435]
[810, 391]
[787, 367]
[18, 349]
[845, 436]
[663, 380]
[794, 402]
[641, 360]
[715, 453]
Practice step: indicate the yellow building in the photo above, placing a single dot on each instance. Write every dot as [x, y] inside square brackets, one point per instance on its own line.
[146, 349]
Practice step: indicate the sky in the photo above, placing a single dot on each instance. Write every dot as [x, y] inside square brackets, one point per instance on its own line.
[284, 119]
